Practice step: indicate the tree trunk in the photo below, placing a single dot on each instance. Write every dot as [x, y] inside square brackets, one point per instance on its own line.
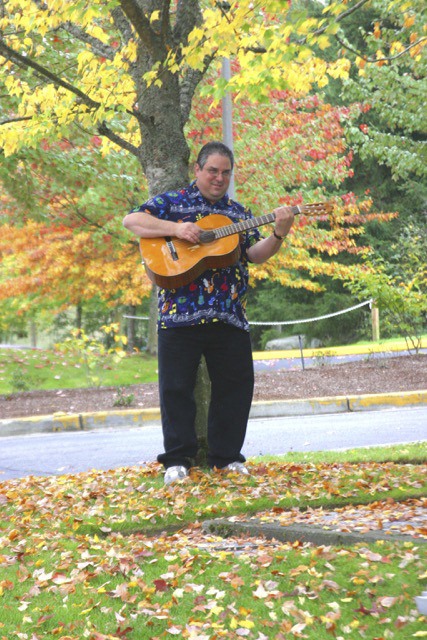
[33, 333]
[79, 316]
[202, 395]
[164, 153]
[152, 323]
[164, 156]
[130, 333]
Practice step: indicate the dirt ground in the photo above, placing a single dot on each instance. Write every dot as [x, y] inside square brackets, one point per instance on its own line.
[380, 375]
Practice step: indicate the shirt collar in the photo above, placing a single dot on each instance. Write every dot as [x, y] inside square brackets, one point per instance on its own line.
[194, 192]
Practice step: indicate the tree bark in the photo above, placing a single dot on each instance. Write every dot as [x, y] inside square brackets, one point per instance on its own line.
[152, 323]
[79, 315]
[164, 154]
[202, 396]
[131, 329]
[161, 107]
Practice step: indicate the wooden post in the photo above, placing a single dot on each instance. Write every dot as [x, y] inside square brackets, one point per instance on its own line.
[375, 315]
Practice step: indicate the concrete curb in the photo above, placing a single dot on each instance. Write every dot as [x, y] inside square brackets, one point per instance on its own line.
[304, 533]
[79, 422]
[148, 417]
[337, 404]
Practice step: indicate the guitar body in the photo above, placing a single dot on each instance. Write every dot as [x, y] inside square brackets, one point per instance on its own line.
[173, 263]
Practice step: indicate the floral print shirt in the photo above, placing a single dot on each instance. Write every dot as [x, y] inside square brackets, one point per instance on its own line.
[217, 295]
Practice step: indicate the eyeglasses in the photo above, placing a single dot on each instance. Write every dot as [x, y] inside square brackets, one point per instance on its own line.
[214, 173]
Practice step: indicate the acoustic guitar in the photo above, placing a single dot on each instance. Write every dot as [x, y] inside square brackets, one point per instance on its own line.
[171, 262]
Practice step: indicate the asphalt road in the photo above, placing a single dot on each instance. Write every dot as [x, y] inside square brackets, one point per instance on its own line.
[60, 453]
[307, 362]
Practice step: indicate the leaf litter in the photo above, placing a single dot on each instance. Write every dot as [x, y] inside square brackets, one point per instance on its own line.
[58, 582]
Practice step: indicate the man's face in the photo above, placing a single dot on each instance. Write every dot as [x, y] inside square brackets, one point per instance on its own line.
[214, 178]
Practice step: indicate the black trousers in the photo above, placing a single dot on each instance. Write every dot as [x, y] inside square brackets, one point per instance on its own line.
[228, 354]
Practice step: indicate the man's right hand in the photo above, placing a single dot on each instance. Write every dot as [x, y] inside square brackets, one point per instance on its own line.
[188, 231]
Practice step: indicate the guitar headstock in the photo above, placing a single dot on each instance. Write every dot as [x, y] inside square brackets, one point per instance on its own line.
[316, 208]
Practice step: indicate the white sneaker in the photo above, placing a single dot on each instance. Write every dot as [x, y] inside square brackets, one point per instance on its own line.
[174, 474]
[237, 467]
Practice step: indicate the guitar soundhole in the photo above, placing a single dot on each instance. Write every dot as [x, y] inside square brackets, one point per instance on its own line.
[207, 236]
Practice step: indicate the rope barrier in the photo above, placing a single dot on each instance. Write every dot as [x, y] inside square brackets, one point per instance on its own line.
[329, 315]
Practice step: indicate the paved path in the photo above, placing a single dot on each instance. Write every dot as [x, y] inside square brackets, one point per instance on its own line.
[71, 452]
[279, 360]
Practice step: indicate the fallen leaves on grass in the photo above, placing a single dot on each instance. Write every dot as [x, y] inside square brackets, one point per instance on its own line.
[57, 581]
[408, 517]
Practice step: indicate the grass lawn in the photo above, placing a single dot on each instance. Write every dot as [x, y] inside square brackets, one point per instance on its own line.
[26, 370]
[116, 555]
[30, 369]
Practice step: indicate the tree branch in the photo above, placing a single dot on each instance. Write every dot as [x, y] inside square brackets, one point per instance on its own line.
[8, 120]
[29, 63]
[98, 47]
[121, 142]
[188, 16]
[319, 32]
[141, 24]
[26, 61]
[165, 21]
[122, 24]
[386, 58]
[187, 89]
[344, 14]
[93, 223]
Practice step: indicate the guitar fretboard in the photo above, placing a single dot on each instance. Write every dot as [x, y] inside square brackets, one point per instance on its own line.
[237, 227]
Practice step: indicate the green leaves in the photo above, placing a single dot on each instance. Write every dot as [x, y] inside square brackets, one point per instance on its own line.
[398, 284]
[92, 353]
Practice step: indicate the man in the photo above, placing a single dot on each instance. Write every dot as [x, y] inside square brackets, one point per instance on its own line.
[206, 317]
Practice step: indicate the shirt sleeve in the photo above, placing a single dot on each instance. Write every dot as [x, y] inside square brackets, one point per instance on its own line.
[157, 206]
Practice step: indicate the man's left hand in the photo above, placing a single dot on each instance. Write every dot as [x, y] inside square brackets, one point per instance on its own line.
[284, 220]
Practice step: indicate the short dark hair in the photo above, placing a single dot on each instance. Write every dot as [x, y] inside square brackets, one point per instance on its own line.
[214, 147]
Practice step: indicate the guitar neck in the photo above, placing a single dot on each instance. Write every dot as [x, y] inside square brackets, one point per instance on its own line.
[244, 225]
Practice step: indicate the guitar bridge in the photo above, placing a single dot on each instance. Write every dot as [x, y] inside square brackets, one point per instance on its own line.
[170, 245]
